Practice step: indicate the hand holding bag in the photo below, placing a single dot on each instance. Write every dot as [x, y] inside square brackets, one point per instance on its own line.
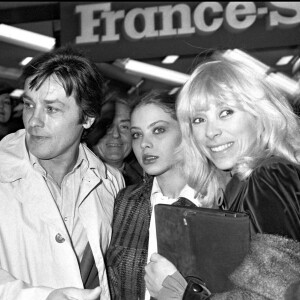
[201, 242]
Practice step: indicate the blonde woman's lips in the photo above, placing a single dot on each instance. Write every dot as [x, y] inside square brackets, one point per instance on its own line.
[221, 147]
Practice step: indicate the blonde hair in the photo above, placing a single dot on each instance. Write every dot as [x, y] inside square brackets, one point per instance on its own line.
[237, 84]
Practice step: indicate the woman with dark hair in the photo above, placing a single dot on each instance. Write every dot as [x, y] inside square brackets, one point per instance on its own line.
[156, 136]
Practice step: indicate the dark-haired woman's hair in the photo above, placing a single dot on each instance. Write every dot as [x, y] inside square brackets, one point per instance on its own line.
[161, 98]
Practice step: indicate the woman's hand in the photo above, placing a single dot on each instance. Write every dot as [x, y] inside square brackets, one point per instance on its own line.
[156, 271]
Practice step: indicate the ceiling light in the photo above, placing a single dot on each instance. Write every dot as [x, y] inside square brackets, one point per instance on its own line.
[10, 73]
[26, 38]
[296, 66]
[285, 83]
[17, 93]
[174, 90]
[152, 72]
[170, 59]
[284, 60]
[116, 73]
[25, 61]
[239, 55]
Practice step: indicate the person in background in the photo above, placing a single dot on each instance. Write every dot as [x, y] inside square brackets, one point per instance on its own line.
[56, 196]
[111, 138]
[8, 121]
[232, 119]
[155, 138]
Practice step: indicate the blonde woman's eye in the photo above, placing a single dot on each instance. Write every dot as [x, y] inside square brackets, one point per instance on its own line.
[226, 113]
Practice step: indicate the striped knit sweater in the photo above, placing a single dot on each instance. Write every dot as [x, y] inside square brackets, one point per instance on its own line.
[126, 257]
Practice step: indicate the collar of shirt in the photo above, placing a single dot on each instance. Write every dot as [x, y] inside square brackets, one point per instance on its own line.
[122, 168]
[158, 197]
[66, 198]
[82, 163]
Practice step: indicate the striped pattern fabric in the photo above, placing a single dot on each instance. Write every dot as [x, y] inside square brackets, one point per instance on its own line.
[126, 257]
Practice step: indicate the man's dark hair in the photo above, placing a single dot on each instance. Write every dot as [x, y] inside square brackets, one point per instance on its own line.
[79, 76]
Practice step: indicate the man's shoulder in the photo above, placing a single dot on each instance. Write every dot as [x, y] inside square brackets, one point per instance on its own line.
[12, 155]
[13, 140]
[104, 169]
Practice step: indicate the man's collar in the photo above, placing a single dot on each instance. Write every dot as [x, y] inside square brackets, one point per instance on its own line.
[81, 160]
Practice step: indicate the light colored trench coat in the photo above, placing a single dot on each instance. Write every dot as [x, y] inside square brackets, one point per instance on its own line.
[36, 255]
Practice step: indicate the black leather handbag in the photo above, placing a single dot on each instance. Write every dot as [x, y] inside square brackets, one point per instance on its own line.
[202, 242]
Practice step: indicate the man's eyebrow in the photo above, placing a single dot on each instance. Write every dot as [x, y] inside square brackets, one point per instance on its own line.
[125, 120]
[26, 96]
[46, 101]
[50, 101]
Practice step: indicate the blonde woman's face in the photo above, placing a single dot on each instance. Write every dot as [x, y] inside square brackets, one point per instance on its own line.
[224, 133]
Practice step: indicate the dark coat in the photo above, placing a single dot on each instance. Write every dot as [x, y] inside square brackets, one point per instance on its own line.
[132, 172]
[271, 196]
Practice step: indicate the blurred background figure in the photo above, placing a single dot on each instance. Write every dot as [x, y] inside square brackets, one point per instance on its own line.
[111, 138]
[10, 118]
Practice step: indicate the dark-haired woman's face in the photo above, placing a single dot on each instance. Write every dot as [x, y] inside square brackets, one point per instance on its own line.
[5, 108]
[155, 136]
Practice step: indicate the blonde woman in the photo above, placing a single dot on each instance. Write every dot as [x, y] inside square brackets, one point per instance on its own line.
[233, 120]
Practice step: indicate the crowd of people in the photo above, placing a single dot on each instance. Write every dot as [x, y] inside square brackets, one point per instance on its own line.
[80, 181]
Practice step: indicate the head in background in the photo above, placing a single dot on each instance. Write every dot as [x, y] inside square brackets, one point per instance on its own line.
[111, 138]
[155, 133]
[232, 118]
[6, 103]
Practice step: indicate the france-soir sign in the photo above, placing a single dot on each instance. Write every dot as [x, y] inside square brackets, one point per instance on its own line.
[103, 25]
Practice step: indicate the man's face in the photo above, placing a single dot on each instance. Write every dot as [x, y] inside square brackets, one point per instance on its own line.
[52, 121]
[115, 146]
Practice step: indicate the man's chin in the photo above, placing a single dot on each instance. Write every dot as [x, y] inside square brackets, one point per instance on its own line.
[40, 153]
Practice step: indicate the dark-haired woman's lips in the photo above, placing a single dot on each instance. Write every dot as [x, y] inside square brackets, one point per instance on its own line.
[149, 159]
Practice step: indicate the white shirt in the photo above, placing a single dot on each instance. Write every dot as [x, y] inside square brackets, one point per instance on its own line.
[156, 198]
[66, 198]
